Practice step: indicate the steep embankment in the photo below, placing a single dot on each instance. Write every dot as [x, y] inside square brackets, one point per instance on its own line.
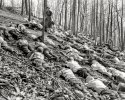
[20, 80]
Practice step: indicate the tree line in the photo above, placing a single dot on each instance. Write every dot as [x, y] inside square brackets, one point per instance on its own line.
[100, 20]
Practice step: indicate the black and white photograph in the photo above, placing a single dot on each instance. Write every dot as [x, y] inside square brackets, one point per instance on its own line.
[62, 50]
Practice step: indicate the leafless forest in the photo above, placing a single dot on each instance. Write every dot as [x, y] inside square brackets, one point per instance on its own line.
[62, 50]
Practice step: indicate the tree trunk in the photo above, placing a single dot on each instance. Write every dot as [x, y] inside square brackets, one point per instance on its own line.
[103, 23]
[122, 34]
[111, 20]
[74, 18]
[31, 7]
[22, 10]
[94, 14]
[70, 18]
[96, 21]
[78, 15]
[29, 11]
[44, 15]
[1, 4]
[118, 23]
[65, 24]
[91, 19]
[107, 25]
[61, 15]
[81, 22]
[60, 20]
[26, 6]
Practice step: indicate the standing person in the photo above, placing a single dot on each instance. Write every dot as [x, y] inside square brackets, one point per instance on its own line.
[48, 19]
[47, 24]
[48, 12]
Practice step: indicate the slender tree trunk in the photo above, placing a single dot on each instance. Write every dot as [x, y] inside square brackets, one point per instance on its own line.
[111, 20]
[61, 15]
[29, 10]
[118, 24]
[26, 6]
[57, 15]
[103, 25]
[101, 37]
[81, 22]
[94, 12]
[22, 11]
[65, 24]
[44, 14]
[60, 19]
[1, 4]
[74, 18]
[115, 35]
[91, 20]
[86, 17]
[107, 25]
[70, 18]
[122, 34]
[97, 18]
[78, 16]
[96, 22]
[31, 7]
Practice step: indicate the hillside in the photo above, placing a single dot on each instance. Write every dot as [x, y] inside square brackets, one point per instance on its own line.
[20, 79]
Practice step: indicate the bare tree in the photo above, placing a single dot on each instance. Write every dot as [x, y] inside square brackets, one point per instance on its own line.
[65, 24]
[44, 15]
[94, 14]
[122, 33]
[31, 6]
[26, 6]
[70, 18]
[22, 10]
[61, 15]
[118, 23]
[111, 20]
[29, 10]
[74, 18]
[1, 4]
[78, 14]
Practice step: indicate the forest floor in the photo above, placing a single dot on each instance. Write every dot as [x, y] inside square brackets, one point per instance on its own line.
[19, 80]
[7, 17]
